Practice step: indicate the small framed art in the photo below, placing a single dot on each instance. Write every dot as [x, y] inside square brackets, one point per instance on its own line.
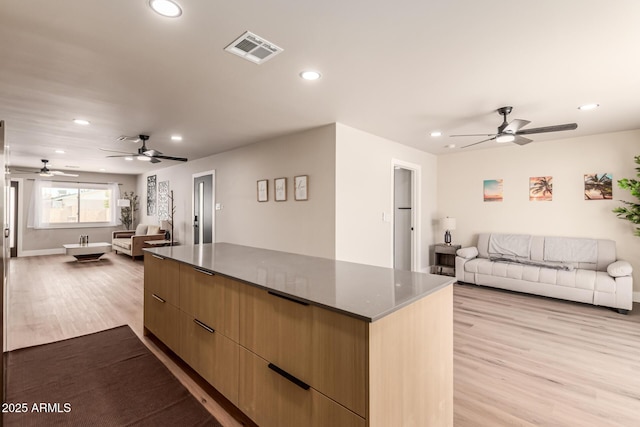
[263, 190]
[301, 187]
[280, 185]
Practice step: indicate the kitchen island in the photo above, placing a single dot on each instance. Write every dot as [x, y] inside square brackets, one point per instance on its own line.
[306, 341]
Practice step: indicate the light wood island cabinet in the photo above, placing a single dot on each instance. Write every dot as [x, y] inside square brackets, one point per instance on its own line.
[326, 355]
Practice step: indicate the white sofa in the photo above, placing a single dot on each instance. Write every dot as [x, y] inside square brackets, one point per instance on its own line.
[583, 270]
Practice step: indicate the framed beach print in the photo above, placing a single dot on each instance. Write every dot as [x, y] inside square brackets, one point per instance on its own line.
[492, 190]
[540, 188]
[301, 187]
[598, 186]
[280, 185]
[263, 190]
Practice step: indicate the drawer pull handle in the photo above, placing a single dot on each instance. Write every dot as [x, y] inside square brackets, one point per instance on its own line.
[157, 256]
[158, 298]
[287, 298]
[208, 273]
[290, 377]
[203, 326]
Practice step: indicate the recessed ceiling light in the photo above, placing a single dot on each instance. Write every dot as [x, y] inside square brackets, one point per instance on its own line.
[450, 145]
[588, 107]
[176, 138]
[310, 75]
[82, 122]
[128, 159]
[167, 8]
[59, 151]
[436, 133]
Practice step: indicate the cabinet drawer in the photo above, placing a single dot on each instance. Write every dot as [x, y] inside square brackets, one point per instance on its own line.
[212, 355]
[161, 277]
[325, 349]
[277, 329]
[326, 412]
[211, 298]
[268, 398]
[163, 320]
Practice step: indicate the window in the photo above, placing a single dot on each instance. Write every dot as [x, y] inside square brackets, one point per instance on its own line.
[58, 204]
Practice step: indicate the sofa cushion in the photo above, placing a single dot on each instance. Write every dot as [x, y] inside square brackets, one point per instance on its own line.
[141, 230]
[124, 243]
[153, 229]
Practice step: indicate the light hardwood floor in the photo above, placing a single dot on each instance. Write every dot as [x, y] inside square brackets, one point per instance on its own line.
[519, 360]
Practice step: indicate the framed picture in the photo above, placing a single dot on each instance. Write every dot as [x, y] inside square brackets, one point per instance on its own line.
[301, 187]
[540, 188]
[263, 190]
[598, 186]
[280, 185]
[492, 190]
[151, 195]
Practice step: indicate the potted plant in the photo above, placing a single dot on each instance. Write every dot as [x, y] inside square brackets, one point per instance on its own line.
[128, 213]
[632, 210]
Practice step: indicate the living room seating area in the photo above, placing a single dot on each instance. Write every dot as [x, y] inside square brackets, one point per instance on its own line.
[131, 242]
[575, 269]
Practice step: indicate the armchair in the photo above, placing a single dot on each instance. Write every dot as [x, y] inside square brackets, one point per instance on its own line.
[131, 242]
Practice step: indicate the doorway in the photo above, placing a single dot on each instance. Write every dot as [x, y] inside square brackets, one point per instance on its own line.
[203, 197]
[406, 216]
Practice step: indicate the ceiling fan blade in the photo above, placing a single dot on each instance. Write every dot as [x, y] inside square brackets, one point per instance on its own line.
[124, 155]
[515, 125]
[24, 170]
[177, 159]
[477, 134]
[154, 160]
[479, 142]
[116, 151]
[521, 140]
[556, 128]
[152, 153]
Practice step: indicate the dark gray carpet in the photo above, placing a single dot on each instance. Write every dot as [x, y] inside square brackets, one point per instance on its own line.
[104, 379]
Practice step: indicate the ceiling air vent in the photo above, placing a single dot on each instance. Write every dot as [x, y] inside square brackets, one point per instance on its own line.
[253, 48]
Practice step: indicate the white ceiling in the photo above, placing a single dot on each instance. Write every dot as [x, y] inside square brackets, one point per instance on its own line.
[395, 69]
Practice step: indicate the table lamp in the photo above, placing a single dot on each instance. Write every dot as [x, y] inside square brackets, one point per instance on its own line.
[448, 224]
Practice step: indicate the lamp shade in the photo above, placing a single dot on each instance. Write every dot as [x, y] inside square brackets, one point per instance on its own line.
[123, 203]
[448, 223]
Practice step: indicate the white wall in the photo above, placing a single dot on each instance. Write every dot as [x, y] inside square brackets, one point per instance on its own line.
[44, 242]
[305, 227]
[461, 175]
[364, 181]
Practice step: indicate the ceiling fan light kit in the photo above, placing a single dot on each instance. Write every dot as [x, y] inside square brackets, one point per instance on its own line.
[512, 131]
[166, 8]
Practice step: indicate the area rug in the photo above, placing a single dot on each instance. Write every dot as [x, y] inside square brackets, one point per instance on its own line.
[104, 379]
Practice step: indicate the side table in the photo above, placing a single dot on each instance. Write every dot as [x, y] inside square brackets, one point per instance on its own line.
[445, 259]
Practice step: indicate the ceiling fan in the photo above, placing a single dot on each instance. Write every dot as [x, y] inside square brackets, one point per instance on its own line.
[46, 172]
[512, 131]
[145, 154]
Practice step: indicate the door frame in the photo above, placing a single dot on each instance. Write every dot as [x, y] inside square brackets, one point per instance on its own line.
[213, 203]
[416, 211]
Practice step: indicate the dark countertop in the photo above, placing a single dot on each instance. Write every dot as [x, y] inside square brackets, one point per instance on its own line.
[359, 290]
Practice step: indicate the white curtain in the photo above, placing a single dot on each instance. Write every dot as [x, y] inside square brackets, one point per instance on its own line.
[38, 211]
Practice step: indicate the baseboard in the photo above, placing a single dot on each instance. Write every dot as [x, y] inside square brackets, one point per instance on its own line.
[40, 252]
[636, 297]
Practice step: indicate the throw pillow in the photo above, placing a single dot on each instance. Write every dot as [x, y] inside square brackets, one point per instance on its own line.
[619, 269]
[141, 230]
[468, 253]
[153, 229]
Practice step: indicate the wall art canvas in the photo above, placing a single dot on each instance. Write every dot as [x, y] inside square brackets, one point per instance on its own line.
[301, 187]
[163, 200]
[598, 186]
[492, 190]
[151, 195]
[541, 188]
[263, 190]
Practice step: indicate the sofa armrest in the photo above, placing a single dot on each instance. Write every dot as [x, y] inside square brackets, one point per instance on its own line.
[467, 253]
[619, 269]
[122, 233]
